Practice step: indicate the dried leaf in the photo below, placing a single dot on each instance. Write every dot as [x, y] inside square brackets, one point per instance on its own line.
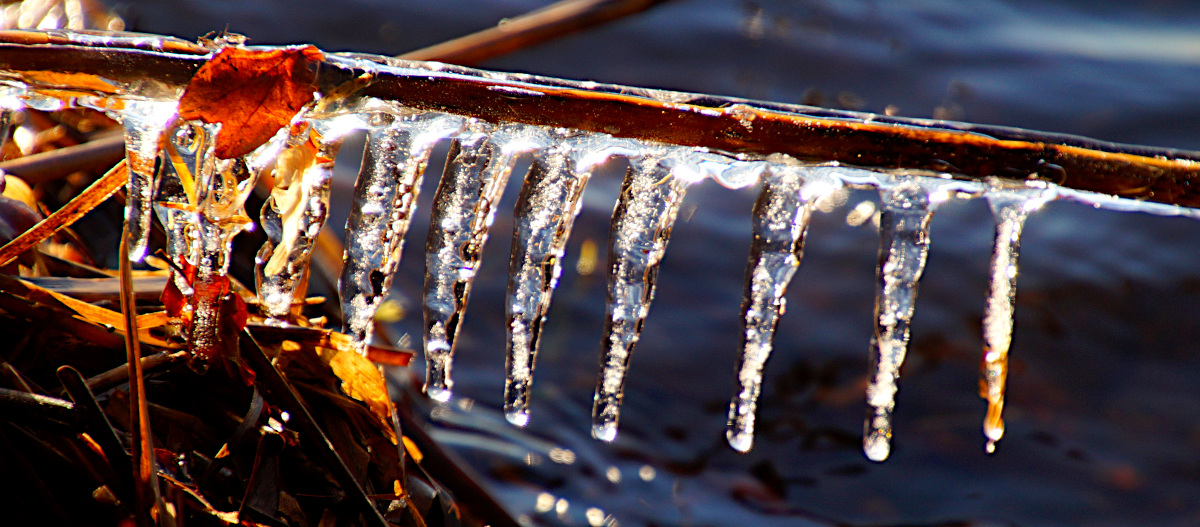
[361, 380]
[252, 93]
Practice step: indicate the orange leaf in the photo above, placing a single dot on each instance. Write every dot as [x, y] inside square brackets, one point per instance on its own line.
[252, 93]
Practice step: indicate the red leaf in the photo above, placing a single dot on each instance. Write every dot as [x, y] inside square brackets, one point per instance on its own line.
[252, 93]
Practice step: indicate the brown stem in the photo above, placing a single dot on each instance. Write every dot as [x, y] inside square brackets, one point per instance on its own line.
[720, 123]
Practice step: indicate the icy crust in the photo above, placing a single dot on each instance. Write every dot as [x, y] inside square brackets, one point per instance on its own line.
[200, 201]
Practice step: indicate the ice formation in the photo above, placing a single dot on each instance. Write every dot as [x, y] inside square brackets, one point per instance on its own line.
[1010, 204]
[200, 200]
[145, 122]
[641, 228]
[385, 196]
[780, 219]
[464, 206]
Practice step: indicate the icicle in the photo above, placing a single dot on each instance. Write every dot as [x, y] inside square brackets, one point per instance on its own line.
[294, 214]
[543, 217]
[477, 170]
[1010, 205]
[385, 194]
[780, 222]
[10, 106]
[203, 207]
[144, 123]
[219, 217]
[907, 207]
[641, 228]
[186, 147]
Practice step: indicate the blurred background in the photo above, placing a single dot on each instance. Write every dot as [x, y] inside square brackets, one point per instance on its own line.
[1103, 425]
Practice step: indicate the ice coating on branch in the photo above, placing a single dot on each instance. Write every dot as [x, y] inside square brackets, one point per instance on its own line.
[385, 195]
[694, 165]
[144, 123]
[294, 214]
[907, 206]
[640, 229]
[477, 170]
[780, 222]
[1010, 205]
[544, 214]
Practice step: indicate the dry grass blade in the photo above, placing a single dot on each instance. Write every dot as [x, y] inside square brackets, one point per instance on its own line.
[278, 391]
[87, 200]
[91, 313]
[146, 495]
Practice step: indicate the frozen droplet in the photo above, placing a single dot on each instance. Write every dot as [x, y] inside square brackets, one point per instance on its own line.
[606, 431]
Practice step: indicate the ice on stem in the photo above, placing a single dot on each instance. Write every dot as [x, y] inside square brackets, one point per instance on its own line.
[295, 212]
[221, 190]
[477, 169]
[640, 229]
[1010, 206]
[907, 208]
[385, 195]
[144, 123]
[780, 221]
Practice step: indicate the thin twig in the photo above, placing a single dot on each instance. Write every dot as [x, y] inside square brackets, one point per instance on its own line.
[550, 22]
[41, 409]
[120, 374]
[146, 495]
[720, 123]
[87, 200]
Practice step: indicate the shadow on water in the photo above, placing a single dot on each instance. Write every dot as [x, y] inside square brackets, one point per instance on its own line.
[1102, 421]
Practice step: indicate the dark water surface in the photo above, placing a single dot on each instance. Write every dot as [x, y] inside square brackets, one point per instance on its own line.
[1104, 425]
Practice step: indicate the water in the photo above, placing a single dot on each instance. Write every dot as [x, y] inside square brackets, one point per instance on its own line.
[1100, 413]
